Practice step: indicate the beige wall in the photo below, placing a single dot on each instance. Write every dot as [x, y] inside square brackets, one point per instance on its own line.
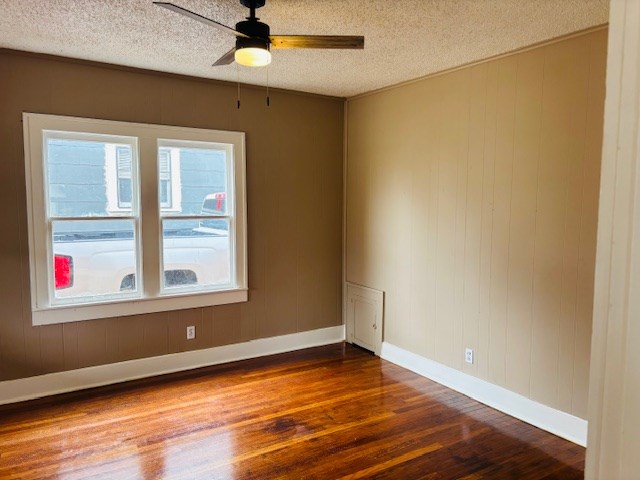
[472, 203]
[294, 180]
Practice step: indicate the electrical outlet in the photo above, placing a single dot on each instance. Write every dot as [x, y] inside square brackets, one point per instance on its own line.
[468, 355]
[191, 332]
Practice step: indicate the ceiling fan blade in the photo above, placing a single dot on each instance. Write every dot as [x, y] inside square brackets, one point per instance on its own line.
[227, 58]
[317, 41]
[199, 18]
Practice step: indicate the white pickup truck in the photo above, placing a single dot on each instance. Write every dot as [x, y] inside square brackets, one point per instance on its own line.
[99, 263]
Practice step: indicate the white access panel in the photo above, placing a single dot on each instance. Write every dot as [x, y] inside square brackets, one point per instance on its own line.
[364, 307]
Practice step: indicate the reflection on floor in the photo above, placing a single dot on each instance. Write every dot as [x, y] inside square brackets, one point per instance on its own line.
[327, 412]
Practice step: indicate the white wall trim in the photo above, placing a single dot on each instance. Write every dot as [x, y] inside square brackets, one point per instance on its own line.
[614, 387]
[61, 382]
[554, 421]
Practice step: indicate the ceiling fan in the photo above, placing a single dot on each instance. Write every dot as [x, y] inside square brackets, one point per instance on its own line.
[254, 41]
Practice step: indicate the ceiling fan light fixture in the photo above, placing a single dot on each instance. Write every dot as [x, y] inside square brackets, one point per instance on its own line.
[252, 49]
[253, 56]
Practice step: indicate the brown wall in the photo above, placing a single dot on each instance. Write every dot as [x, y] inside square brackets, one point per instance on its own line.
[472, 203]
[294, 192]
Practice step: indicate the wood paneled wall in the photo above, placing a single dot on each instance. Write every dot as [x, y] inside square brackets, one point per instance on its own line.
[294, 191]
[472, 202]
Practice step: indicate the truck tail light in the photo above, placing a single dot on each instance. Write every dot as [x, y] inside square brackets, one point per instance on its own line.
[63, 271]
[220, 197]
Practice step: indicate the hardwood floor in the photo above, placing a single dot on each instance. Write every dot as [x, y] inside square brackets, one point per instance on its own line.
[332, 412]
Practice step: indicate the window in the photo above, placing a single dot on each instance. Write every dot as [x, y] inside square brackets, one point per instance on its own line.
[129, 218]
[164, 170]
[123, 170]
[118, 165]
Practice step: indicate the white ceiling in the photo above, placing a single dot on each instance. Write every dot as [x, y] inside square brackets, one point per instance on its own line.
[404, 39]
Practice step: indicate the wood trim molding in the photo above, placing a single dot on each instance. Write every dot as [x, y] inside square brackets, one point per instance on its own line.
[12, 391]
[554, 421]
[345, 169]
[614, 392]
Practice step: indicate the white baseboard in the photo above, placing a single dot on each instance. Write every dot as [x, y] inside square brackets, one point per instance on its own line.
[61, 382]
[554, 421]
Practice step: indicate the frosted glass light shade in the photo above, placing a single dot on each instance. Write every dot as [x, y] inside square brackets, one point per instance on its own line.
[253, 57]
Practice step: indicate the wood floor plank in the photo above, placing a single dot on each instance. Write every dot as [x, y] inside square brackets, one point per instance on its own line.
[322, 413]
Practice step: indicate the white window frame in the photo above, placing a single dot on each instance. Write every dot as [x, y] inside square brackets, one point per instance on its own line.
[150, 296]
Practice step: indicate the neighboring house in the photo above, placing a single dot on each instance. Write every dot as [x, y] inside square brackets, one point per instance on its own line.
[93, 178]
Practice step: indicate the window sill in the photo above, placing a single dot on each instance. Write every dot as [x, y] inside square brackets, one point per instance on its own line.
[76, 313]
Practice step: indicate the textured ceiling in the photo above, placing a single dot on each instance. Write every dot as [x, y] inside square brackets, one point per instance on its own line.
[404, 39]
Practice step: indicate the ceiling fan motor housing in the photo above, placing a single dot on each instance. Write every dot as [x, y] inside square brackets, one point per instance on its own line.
[258, 33]
[253, 3]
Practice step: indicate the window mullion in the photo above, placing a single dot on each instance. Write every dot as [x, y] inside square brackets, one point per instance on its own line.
[195, 217]
[92, 218]
[150, 230]
[46, 284]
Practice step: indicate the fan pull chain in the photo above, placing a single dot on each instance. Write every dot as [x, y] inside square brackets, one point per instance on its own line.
[238, 81]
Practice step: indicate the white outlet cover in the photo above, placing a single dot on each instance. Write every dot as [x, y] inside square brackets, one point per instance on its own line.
[468, 355]
[191, 332]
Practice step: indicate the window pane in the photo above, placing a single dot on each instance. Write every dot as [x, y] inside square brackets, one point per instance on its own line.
[192, 181]
[88, 178]
[194, 256]
[93, 258]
